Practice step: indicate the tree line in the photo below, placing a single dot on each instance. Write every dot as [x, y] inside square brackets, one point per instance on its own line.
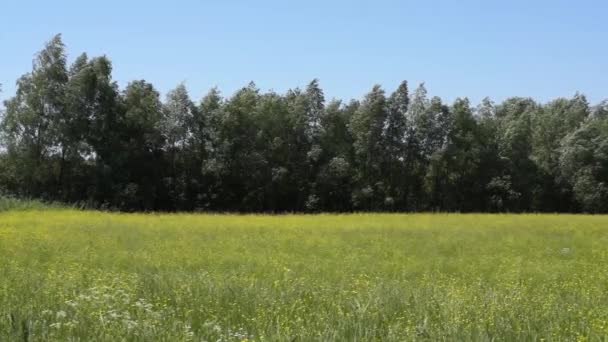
[70, 134]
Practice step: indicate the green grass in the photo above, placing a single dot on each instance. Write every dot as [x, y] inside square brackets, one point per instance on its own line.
[67, 274]
[12, 203]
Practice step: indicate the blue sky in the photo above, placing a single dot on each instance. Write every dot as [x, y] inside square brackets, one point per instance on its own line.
[543, 49]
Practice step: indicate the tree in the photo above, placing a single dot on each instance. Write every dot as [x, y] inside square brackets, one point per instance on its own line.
[97, 128]
[71, 134]
[552, 123]
[430, 122]
[601, 110]
[367, 125]
[143, 117]
[514, 136]
[34, 121]
[335, 177]
[584, 163]
[453, 178]
[395, 161]
[209, 163]
[242, 166]
[178, 117]
[178, 127]
[282, 144]
[315, 105]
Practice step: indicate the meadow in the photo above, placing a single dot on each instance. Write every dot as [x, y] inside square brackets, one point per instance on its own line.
[76, 275]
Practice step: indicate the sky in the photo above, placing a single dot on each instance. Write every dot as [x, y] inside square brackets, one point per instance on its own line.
[538, 48]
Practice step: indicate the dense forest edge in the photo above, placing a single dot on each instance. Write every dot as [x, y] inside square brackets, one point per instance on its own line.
[70, 135]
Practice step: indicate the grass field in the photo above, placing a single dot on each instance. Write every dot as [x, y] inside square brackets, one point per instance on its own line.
[68, 274]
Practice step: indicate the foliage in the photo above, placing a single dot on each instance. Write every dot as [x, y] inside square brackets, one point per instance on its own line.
[71, 135]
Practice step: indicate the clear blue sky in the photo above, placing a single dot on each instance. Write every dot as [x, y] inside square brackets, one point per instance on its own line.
[543, 48]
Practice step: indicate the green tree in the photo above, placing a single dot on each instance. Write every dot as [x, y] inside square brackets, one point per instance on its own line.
[281, 143]
[335, 178]
[34, 121]
[144, 143]
[551, 124]
[70, 134]
[242, 165]
[97, 125]
[515, 131]
[430, 122]
[601, 110]
[500, 195]
[584, 163]
[453, 178]
[178, 127]
[395, 164]
[209, 160]
[367, 125]
[315, 109]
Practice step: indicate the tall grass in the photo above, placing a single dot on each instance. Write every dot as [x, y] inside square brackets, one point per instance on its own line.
[13, 203]
[83, 275]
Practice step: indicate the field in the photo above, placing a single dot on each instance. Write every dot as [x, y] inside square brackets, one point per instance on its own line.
[78, 275]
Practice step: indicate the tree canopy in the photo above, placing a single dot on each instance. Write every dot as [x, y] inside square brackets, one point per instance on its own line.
[71, 134]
